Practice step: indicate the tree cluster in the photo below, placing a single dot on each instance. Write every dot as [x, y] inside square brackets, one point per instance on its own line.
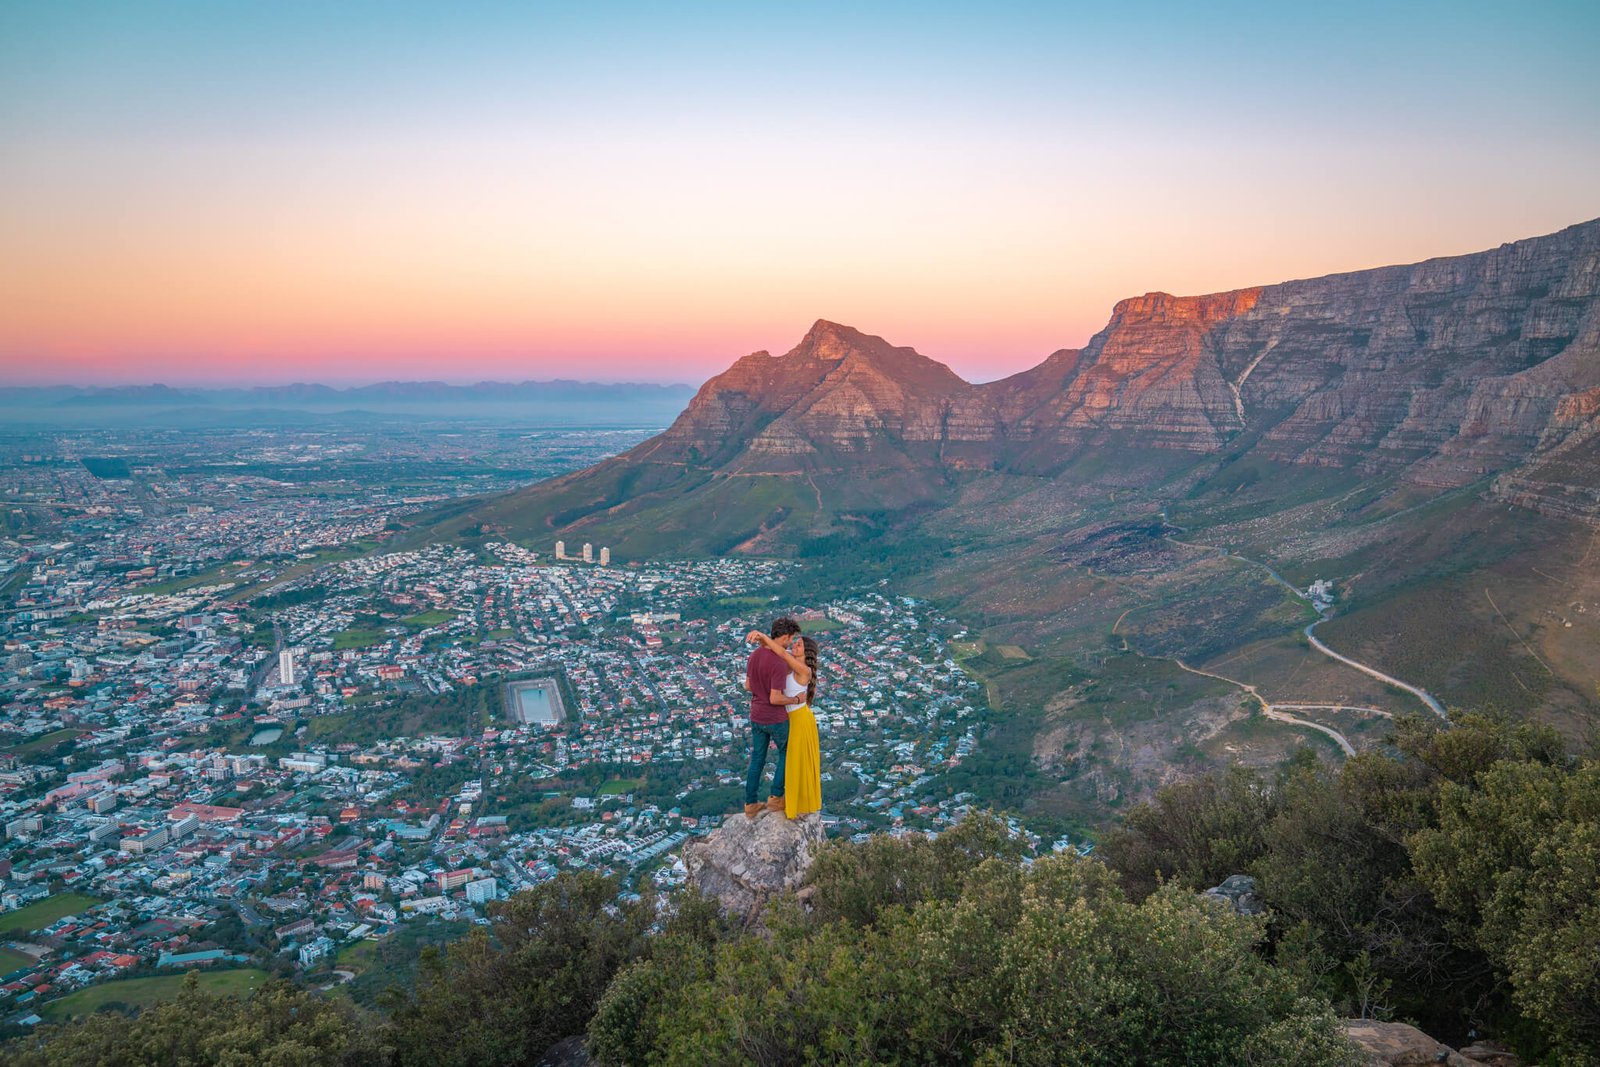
[1458, 885]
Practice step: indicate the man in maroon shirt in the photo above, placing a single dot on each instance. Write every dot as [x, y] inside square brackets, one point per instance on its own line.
[764, 675]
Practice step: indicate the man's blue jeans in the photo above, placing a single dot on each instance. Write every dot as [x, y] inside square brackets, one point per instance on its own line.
[761, 735]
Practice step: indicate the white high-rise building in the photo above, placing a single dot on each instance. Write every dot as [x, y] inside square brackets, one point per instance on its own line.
[588, 552]
[561, 550]
[605, 557]
[286, 667]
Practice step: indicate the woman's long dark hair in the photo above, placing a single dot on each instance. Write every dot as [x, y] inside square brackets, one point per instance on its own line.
[810, 656]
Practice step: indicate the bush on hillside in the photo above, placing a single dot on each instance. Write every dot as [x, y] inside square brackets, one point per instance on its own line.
[1048, 964]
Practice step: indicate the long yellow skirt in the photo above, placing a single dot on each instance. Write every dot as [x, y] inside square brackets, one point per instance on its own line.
[802, 770]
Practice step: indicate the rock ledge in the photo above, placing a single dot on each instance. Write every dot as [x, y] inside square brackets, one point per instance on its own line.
[745, 862]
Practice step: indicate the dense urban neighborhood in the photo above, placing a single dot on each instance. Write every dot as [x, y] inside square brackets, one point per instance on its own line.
[244, 728]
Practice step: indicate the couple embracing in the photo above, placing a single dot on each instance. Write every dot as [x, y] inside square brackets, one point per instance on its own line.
[781, 675]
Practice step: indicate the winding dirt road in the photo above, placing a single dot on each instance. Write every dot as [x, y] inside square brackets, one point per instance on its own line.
[1317, 643]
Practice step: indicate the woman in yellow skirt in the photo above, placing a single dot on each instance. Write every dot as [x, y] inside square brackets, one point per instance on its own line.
[802, 773]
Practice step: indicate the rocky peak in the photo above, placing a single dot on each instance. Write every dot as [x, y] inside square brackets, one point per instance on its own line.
[833, 341]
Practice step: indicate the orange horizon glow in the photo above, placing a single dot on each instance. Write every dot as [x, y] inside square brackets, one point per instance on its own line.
[286, 195]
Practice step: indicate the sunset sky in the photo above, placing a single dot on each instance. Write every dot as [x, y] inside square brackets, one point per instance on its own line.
[338, 192]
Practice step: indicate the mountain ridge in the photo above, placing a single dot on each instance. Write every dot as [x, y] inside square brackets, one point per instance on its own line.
[1441, 373]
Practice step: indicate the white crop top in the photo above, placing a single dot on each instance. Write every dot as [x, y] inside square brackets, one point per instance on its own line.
[792, 688]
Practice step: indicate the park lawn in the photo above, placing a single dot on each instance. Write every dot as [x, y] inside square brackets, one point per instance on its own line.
[744, 601]
[819, 626]
[42, 913]
[143, 992]
[424, 619]
[356, 956]
[618, 786]
[12, 960]
[44, 741]
[358, 638]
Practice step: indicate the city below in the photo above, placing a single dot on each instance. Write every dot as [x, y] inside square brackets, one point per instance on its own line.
[246, 729]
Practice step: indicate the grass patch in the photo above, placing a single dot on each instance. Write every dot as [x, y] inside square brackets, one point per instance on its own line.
[424, 619]
[43, 742]
[107, 468]
[12, 960]
[357, 637]
[744, 601]
[1012, 652]
[616, 787]
[42, 913]
[819, 626]
[356, 956]
[143, 992]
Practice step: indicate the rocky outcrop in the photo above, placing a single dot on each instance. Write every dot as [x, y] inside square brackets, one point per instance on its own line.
[1238, 891]
[1399, 1045]
[568, 1052]
[745, 862]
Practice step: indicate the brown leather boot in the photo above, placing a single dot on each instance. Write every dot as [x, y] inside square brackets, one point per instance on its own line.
[752, 810]
[774, 803]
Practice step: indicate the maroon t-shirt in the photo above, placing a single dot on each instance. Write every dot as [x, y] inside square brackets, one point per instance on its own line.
[766, 671]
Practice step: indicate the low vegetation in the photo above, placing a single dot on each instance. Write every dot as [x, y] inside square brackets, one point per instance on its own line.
[146, 992]
[1452, 882]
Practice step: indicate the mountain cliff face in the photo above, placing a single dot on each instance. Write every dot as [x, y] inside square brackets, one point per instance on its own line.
[1451, 368]
[1441, 372]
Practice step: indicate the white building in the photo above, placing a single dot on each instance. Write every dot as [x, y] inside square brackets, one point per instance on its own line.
[303, 762]
[482, 891]
[588, 552]
[316, 950]
[286, 667]
[425, 905]
[561, 550]
[605, 557]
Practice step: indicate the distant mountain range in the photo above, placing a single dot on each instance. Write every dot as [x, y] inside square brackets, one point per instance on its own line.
[627, 403]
